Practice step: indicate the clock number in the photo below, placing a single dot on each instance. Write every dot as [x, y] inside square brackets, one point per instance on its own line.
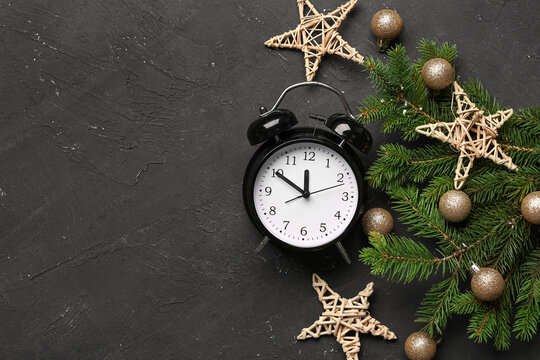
[268, 190]
[338, 215]
[293, 162]
[303, 231]
[274, 171]
[323, 227]
[327, 163]
[345, 196]
[340, 177]
[286, 222]
[272, 210]
[309, 156]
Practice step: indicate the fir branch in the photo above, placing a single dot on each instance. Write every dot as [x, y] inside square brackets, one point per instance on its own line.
[530, 116]
[436, 305]
[495, 233]
[479, 95]
[419, 164]
[399, 259]
[513, 244]
[502, 337]
[418, 211]
[379, 75]
[372, 109]
[430, 50]
[467, 303]
[483, 188]
[513, 147]
[482, 325]
[528, 299]
[437, 186]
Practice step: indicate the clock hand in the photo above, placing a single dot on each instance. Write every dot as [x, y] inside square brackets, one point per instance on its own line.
[306, 182]
[318, 191]
[298, 188]
[328, 188]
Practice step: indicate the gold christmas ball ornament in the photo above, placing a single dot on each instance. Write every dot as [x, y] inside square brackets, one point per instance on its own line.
[437, 74]
[420, 346]
[530, 208]
[487, 284]
[455, 205]
[386, 26]
[378, 220]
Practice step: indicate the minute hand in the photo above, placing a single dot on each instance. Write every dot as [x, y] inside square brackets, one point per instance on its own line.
[328, 188]
[314, 192]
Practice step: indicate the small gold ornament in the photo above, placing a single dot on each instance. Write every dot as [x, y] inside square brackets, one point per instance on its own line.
[317, 35]
[386, 26]
[420, 346]
[455, 205]
[378, 220]
[437, 74]
[345, 318]
[472, 134]
[530, 208]
[487, 284]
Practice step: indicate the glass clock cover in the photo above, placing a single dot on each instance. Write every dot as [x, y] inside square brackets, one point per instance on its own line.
[306, 194]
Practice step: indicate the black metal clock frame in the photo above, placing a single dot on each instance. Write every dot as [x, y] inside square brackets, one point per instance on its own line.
[274, 128]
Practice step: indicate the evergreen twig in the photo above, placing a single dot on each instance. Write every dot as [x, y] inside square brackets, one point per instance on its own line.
[415, 177]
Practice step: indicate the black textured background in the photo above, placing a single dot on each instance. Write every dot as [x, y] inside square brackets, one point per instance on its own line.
[122, 150]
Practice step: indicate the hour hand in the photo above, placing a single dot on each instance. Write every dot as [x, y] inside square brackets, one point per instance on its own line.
[282, 177]
[306, 182]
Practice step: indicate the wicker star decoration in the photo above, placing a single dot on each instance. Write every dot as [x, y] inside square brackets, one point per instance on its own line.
[317, 35]
[345, 318]
[472, 133]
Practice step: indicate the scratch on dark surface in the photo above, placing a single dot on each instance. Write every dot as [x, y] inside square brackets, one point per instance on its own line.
[37, 38]
[165, 306]
[102, 248]
[73, 314]
[341, 79]
[36, 298]
[61, 263]
[282, 57]
[145, 169]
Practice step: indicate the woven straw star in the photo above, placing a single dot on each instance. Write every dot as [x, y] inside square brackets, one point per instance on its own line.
[317, 35]
[345, 318]
[472, 133]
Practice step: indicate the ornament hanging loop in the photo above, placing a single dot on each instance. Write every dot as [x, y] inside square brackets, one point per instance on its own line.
[382, 45]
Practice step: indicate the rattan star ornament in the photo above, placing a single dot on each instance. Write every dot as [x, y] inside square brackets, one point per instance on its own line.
[345, 318]
[472, 133]
[317, 35]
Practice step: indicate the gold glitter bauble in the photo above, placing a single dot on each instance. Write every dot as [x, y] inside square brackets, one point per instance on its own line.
[530, 207]
[420, 346]
[378, 220]
[487, 284]
[455, 205]
[437, 74]
[386, 26]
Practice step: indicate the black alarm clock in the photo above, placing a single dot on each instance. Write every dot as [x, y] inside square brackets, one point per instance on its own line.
[304, 187]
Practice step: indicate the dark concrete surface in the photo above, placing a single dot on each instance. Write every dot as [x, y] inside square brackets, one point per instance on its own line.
[122, 149]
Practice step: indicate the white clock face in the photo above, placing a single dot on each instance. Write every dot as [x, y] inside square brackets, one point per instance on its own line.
[301, 217]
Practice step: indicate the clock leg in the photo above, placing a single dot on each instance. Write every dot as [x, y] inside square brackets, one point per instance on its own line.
[343, 252]
[262, 244]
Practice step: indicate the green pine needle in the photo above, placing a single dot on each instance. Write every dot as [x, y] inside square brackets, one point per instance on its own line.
[415, 176]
